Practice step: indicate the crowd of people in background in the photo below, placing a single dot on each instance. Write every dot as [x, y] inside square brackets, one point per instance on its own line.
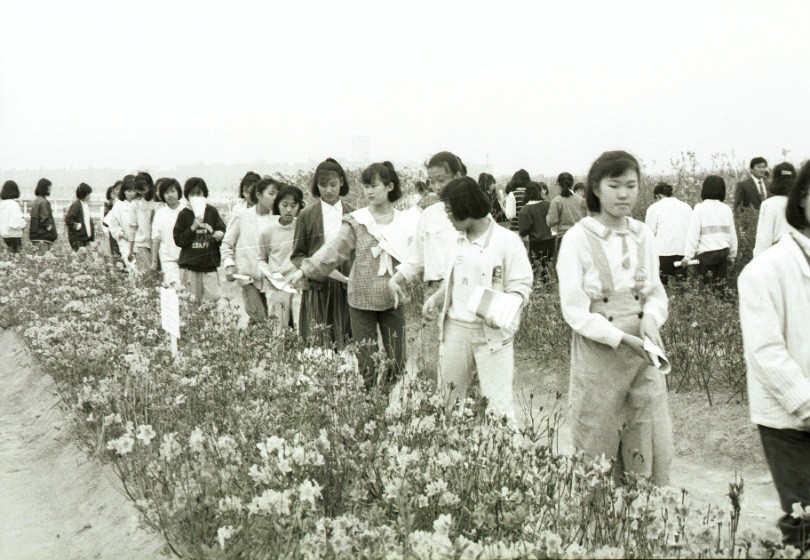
[339, 273]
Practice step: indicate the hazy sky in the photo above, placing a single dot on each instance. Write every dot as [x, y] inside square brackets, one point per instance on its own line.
[145, 83]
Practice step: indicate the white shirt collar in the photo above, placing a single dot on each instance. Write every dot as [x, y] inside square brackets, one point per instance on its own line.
[334, 208]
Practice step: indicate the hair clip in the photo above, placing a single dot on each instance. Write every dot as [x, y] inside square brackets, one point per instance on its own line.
[786, 172]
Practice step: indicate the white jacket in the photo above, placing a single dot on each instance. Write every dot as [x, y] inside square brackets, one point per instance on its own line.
[774, 293]
[772, 224]
[12, 221]
[711, 228]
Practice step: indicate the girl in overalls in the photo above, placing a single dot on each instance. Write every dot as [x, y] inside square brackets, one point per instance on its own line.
[612, 297]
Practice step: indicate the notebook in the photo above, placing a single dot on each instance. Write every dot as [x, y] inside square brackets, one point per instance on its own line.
[658, 357]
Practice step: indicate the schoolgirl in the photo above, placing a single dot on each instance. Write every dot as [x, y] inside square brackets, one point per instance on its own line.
[434, 232]
[490, 256]
[245, 195]
[275, 247]
[566, 209]
[517, 189]
[774, 308]
[378, 236]
[42, 229]
[165, 253]
[490, 186]
[241, 247]
[122, 222]
[79, 222]
[198, 232]
[111, 198]
[612, 297]
[324, 302]
[12, 221]
[532, 224]
[772, 224]
[711, 236]
[144, 207]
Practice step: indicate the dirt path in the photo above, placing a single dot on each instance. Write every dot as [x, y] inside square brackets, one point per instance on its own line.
[55, 501]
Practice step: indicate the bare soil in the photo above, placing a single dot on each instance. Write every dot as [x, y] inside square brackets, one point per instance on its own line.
[55, 500]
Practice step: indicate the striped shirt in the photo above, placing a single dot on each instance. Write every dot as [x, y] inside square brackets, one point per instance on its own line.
[773, 314]
[711, 228]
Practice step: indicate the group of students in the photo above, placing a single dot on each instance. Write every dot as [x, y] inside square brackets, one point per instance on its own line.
[341, 273]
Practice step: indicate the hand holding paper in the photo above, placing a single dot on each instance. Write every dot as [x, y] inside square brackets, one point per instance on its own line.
[499, 309]
[657, 356]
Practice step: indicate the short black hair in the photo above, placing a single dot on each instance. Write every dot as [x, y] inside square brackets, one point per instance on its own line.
[193, 183]
[533, 192]
[329, 165]
[663, 189]
[449, 161]
[128, 183]
[43, 187]
[714, 188]
[83, 190]
[261, 185]
[756, 161]
[466, 199]
[579, 187]
[9, 191]
[167, 183]
[485, 181]
[111, 188]
[794, 213]
[285, 191]
[609, 164]
[784, 177]
[249, 180]
[387, 174]
[566, 182]
[519, 180]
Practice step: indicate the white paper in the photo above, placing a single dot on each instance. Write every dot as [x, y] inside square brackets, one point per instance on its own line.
[657, 355]
[197, 204]
[279, 282]
[243, 279]
[170, 311]
[498, 307]
[692, 262]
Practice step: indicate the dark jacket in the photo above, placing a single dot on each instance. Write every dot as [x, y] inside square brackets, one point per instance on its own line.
[75, 215]
[532, 221]
[199, 251]
[309, 238]
[43, 226]
[747, 195]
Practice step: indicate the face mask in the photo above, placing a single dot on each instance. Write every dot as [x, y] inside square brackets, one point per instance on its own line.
[197, 204]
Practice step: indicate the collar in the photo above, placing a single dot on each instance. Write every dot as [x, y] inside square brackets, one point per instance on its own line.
[756, 179]
[600, 230]
[337, 207]
[483, 239]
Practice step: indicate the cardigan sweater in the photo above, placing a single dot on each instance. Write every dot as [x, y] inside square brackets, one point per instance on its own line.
[42, 226]
[774, 293]
[75, 215]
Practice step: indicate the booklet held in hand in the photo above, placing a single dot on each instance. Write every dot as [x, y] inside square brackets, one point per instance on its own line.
[499, 308]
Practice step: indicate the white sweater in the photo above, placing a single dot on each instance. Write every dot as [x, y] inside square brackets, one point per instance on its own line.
[772, 224]
[711, 228]
[241, 246]
[12, 220]
[774, 306]
[669, 220]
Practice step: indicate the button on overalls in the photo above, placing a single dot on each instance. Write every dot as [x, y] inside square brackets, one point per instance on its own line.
[618, 402]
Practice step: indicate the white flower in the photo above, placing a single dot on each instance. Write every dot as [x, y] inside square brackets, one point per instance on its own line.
[196, 440]
[170, 448]
[122, 445]
[145, 433]
[231, 503]
[309, 491]
[179, 400]
[224, 533]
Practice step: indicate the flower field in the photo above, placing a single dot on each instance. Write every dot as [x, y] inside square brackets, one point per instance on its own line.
[249, 445]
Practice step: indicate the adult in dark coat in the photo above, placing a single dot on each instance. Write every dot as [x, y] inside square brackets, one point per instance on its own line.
[752, 191]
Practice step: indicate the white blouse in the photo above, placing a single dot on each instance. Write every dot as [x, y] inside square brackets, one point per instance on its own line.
[772, 224]
[579, 278]
[332, 220]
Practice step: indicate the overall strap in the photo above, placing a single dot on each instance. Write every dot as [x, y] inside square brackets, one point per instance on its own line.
[600, 260]
[641, 265]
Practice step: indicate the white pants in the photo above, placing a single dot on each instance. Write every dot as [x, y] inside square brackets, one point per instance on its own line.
[171, 273]
[465, 349]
